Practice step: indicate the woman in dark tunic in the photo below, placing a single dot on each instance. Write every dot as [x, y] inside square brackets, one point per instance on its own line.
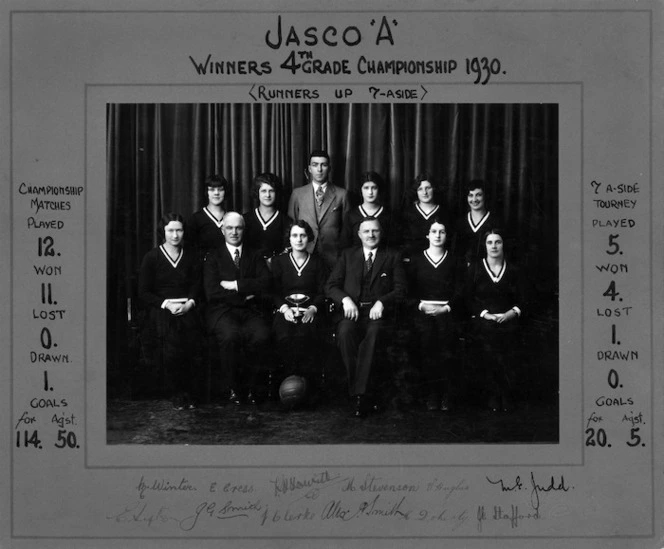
[204, 226]
[169, 284]
[372, 206]
[469, 229]
[435, 284]
[265, 227]
[416, 218]
[298, 272]
[497, 293]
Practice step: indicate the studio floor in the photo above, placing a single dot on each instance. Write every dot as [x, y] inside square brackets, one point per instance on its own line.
[155, 422]
[136, 418]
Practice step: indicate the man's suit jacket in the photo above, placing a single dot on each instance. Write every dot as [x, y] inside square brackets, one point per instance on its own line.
[326, 222]
[253, 278]
[387, 284]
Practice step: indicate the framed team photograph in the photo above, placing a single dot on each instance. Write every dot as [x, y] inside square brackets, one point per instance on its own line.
[439, 371]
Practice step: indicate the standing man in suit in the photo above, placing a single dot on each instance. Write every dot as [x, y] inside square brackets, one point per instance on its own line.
[322, 205]
[365, 284]
[233, 275]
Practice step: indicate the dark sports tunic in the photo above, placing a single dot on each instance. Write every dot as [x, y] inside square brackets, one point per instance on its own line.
[175, 339]
[497, 293]
[434, 281]
[352, 222]
[415, 227]
[299, 344]
[268, 236]
[468, 236]
[203, 232]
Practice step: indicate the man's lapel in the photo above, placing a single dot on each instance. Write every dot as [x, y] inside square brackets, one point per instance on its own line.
[357, 266]
[328, 199]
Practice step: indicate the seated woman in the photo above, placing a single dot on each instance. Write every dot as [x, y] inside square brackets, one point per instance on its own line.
[295, 328]
[435, 290]
[204, 227]
[469, 229]
[497, 294]
[372, 206]
[416, 218]
[169, 284]
[265, 226]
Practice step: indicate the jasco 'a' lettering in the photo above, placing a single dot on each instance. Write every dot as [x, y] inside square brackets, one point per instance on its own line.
[350, 36]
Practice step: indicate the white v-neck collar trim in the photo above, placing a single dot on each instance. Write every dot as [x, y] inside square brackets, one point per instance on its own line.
[473, 226]
[265, 224]
[426, 215]
[299, 268]
[435, 264]
[495, 277]
[213, 218]
[366, 214]
[173, 262]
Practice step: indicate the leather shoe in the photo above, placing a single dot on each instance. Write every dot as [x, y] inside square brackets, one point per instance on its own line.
[233, 397]
[432, 403]
[251, 398]
[445, 405]
[360, 409]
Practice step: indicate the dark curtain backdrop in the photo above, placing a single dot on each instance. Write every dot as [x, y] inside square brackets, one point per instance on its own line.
[159, 155]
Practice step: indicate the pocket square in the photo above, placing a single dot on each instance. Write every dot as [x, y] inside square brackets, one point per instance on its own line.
[383, 274]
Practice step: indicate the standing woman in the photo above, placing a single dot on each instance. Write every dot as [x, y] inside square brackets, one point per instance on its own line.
[498, 298]
[422, 207]
[298, 272]
[265, 226]
[169, 284]
[435, 290]
[204, 226]
[469, 229]
[372, 206]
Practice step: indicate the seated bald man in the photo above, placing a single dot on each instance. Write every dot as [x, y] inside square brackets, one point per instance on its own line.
[365, 284]
[234, 276]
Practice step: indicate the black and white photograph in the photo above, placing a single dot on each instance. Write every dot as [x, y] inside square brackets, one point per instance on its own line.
[450, 336]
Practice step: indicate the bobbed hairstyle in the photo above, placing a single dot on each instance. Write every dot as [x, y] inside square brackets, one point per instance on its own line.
[423, 176]
[165, 220]
[266, 178]
[302, 224]
[475, 184]
[373, 177]
[436, 219]
[214, 181]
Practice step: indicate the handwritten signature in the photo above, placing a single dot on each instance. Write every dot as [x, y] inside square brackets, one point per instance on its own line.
[289, 484]
[140, 512]
[536, 487]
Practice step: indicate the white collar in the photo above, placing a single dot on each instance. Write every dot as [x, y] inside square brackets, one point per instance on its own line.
[232, 249]
[366, 252]
[322, 186]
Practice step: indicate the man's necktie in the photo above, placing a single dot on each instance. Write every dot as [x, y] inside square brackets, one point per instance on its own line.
[368, 264]
[319, 196]
[236, 258]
